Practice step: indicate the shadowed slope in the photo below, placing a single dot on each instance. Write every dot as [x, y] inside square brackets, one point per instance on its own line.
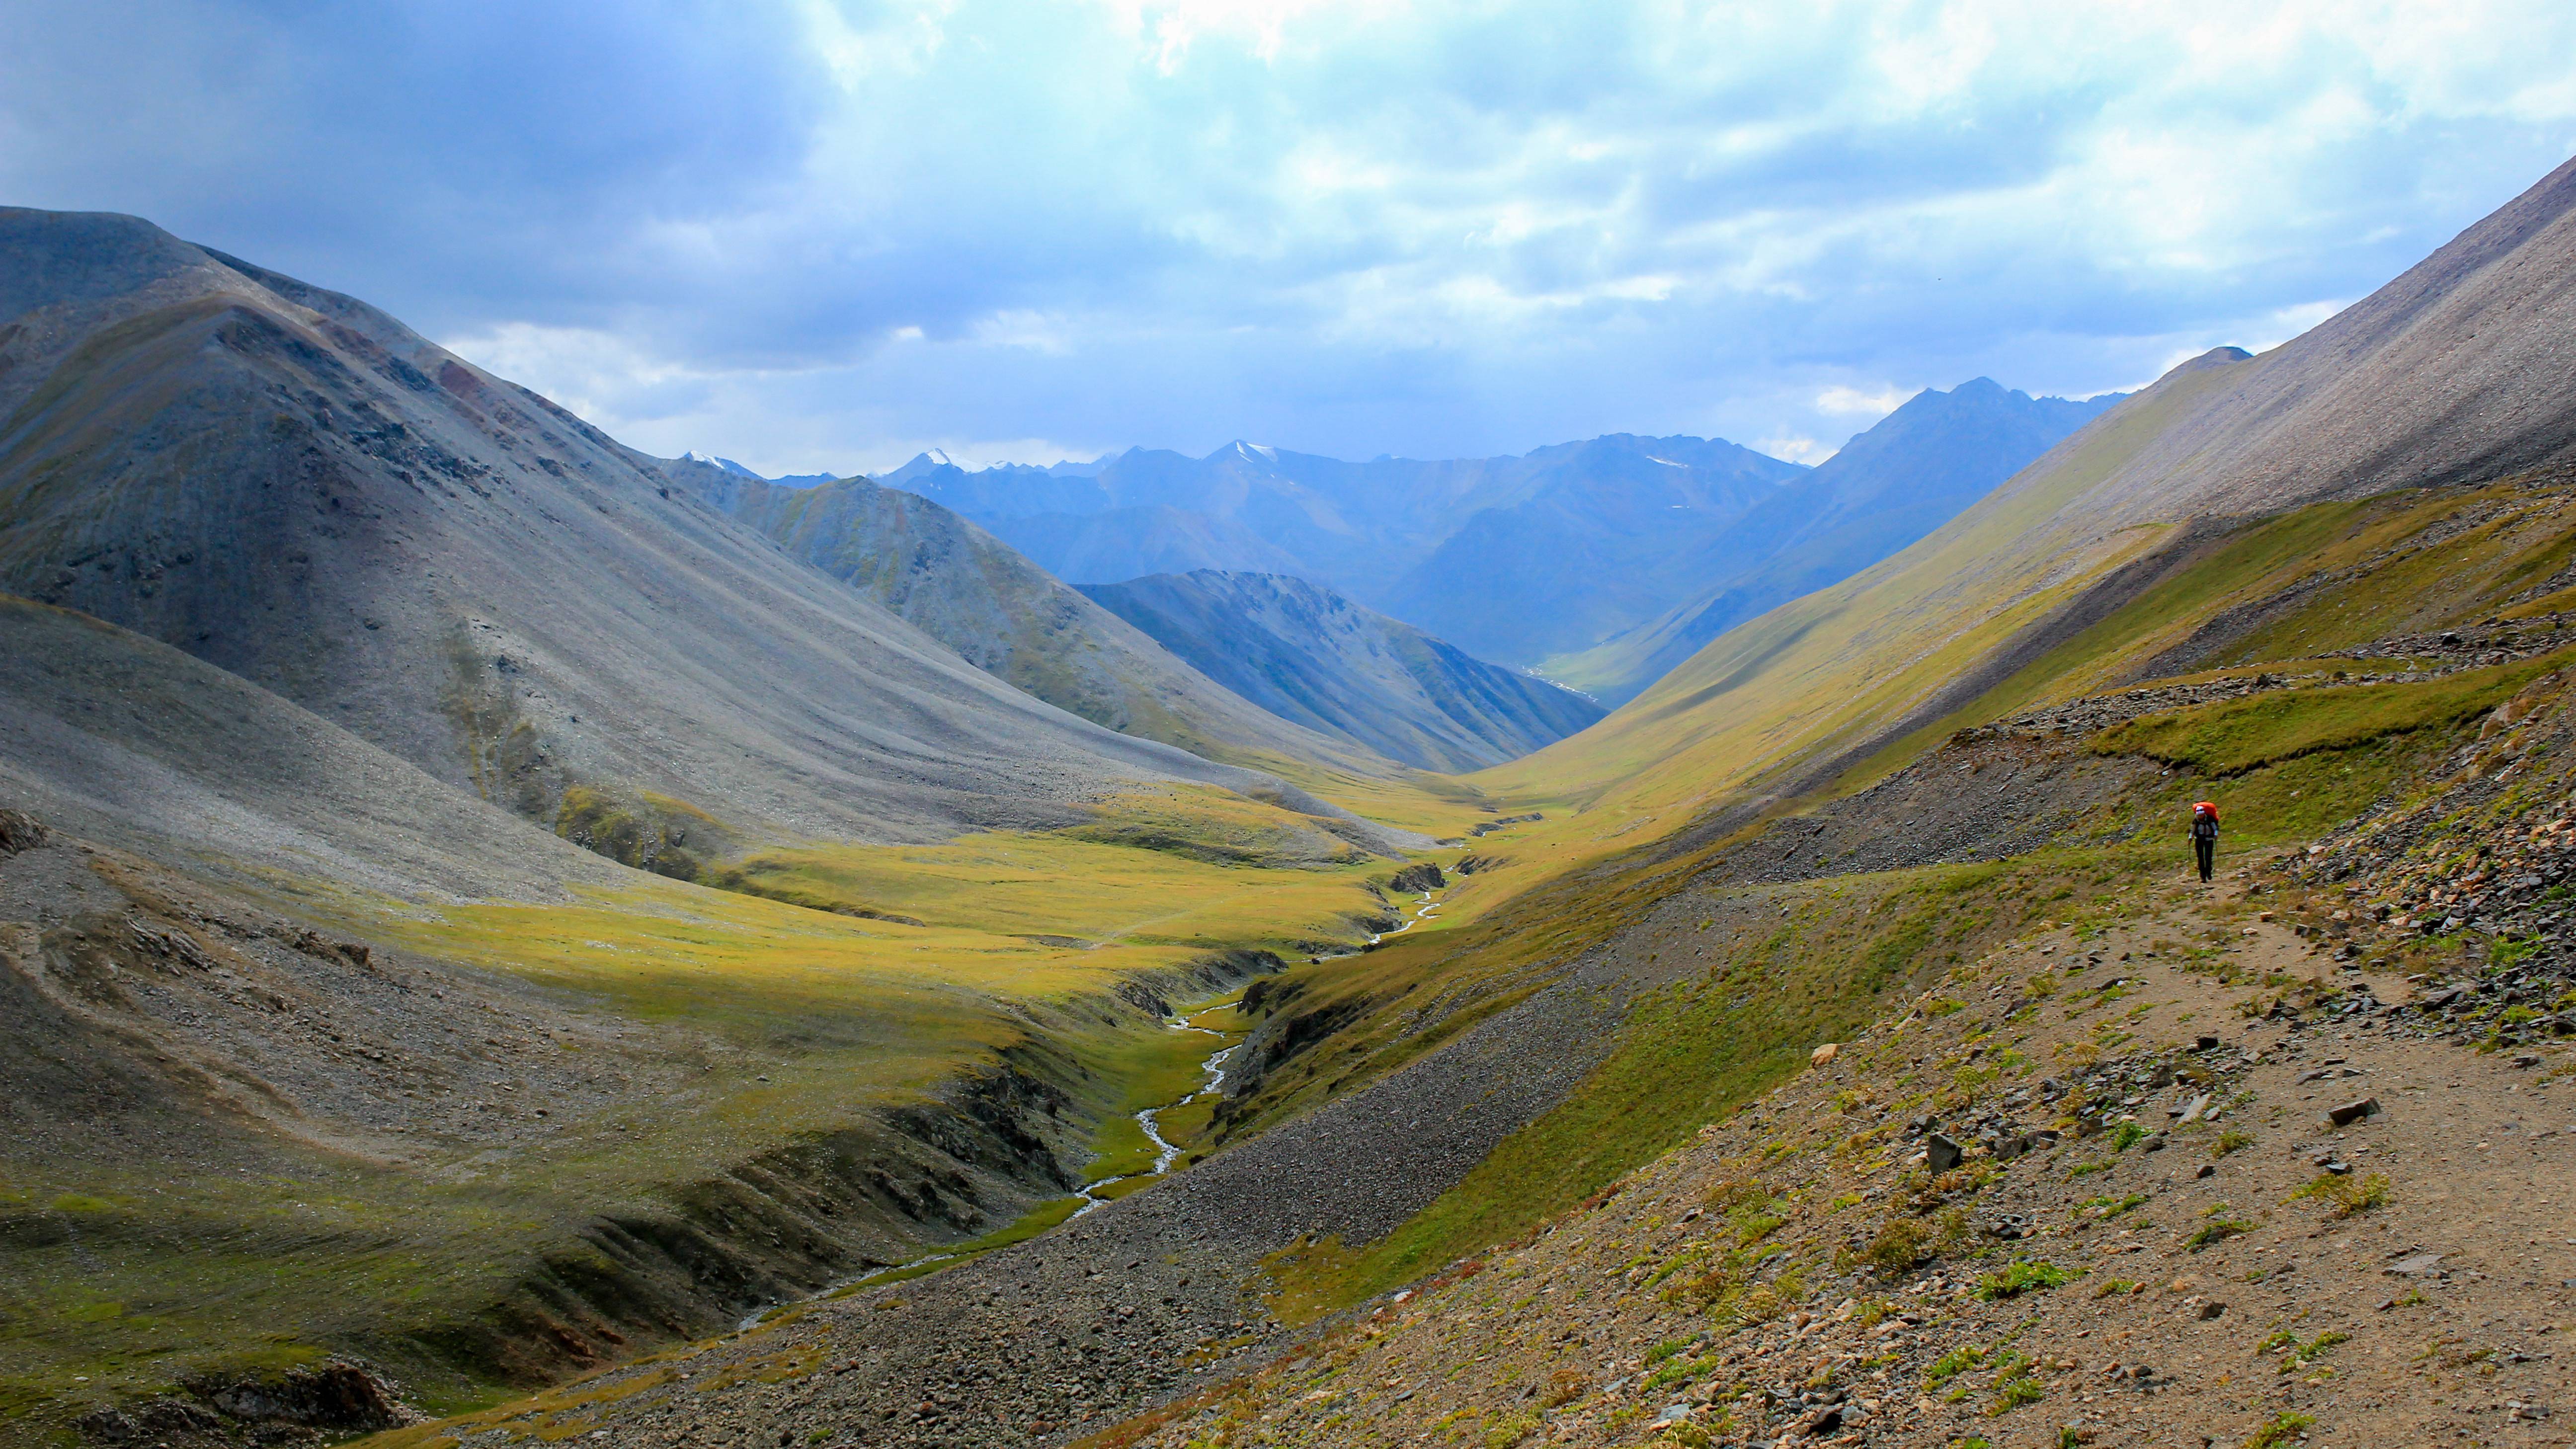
[1308, 654]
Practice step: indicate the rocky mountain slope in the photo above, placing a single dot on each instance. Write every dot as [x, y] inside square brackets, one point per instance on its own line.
[1906, 475]
[293, 486]
[1307, 654]
[1580, 1105]
[471, 912]
[1004, 614]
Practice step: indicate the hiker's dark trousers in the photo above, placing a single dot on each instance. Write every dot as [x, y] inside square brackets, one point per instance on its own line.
[2207, 850]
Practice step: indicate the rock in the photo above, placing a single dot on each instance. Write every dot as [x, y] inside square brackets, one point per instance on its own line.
[1418, 878]
[1674, 1413]
[2207, 1169]
[2414, 1265]
[19, 831]
[2205, 1044]
[1823, 1421]
[2211, 1309]
[1940, 1154]
[1824, 1054]
[2351, 1112]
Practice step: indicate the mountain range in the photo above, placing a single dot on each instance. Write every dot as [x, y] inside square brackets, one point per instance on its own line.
[481, 906]
[1531, 558]
[1900, 479]
[294, 487]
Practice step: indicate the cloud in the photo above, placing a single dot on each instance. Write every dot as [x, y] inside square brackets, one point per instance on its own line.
[806, 233]
[1841, 401]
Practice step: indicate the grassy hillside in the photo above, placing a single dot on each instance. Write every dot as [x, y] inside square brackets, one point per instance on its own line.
[2263, 599]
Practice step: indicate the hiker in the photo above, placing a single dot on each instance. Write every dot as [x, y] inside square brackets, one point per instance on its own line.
[2204, 835]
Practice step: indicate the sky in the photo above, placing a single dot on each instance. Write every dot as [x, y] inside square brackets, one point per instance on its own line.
[823, 235]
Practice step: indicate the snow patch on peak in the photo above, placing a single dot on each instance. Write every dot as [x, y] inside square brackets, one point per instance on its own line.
[727, 464]
[1269, 454]
[1667, 462]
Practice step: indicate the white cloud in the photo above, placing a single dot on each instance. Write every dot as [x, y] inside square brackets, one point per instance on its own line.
[812, 232]
[1852, 402]
[1789, 449]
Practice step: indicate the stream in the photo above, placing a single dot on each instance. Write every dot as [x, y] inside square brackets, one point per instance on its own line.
[1420, 915]
[1165, 1151]
[1149, 1119]
[1165, 1154]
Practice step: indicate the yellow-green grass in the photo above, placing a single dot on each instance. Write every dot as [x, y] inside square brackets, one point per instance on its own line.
[1440, 806]
[1158, 1071]
[1573, 876]
[2232, 736]
[2364, 573]
[774, 1023]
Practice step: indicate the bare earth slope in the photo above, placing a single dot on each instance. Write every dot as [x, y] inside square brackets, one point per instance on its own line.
[1308, 654]
[293, 486]
[1004, 614]
[2457, 369]
[122, 739]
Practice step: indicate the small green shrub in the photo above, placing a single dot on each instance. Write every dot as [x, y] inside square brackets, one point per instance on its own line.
[1952, 1364]
[2217, 1230]
[2283, 1429]
[1900, 1244]
[2349, 1195]
[2026, 1276]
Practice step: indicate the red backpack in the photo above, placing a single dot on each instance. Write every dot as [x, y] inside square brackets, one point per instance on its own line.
[2202, 809]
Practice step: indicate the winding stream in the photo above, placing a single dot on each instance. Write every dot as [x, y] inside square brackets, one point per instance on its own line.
[1150, 1119]
[1165, 1154]
[1419, 916]
[1165, 1151]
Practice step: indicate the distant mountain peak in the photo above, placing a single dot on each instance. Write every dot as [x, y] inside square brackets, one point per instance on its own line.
[727, 464]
